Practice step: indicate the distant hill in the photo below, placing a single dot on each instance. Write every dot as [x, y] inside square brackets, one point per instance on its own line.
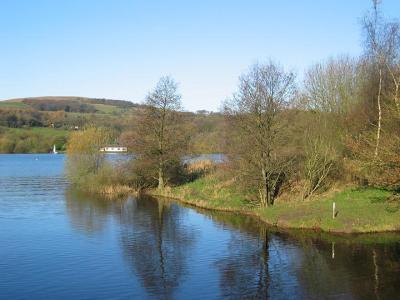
[69, 104]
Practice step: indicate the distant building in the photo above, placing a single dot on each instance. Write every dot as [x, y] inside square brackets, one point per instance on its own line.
[114, 149]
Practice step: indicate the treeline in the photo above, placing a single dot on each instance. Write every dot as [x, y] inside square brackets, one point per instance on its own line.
[29, 141]
[17, 118]
[30, 118]
[341, 126]
[61, 105]
[117, 103]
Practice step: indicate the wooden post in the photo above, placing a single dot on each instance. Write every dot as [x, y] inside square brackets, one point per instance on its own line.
[333, 210]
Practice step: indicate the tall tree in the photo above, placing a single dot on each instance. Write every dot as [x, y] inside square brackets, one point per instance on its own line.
[382, 41]
[254, 131]
[158, 141]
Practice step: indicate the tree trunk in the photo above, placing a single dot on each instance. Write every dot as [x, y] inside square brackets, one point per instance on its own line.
[161, 152]
[378, 133]
[396, 98]
[160, 177]
[263, 191]
[268, 194]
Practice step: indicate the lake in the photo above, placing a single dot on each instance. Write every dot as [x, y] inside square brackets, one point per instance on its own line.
[56, 243]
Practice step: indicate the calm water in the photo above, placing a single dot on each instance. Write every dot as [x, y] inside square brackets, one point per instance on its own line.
[59, 244]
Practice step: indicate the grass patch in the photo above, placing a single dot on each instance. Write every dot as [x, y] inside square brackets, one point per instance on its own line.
[13, 104]
[358, 210]
[42, 131]
[107, 109]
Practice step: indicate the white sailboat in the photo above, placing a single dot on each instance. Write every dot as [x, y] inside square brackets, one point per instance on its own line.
[54, 149]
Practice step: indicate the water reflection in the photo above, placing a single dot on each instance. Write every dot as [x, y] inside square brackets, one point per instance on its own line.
[285, 264]
[244, 271]
[157, 245]
[361, 271]
[155, 240]
[158, 240]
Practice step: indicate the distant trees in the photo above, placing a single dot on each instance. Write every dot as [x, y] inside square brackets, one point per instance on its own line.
[17, 118]
[255, 131]
[29, 141]
[61, 105]
[158, 139]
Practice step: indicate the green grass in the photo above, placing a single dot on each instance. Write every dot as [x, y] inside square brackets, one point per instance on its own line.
[108, 109]
[13, 104]
[358, 210]
[43, 131]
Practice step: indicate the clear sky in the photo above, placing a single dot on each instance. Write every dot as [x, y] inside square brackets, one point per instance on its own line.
[119, 48]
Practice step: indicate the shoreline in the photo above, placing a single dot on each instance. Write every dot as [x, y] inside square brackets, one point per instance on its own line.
[279, 222]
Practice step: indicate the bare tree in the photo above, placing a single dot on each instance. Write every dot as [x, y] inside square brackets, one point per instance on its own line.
[331, 87]
[319, 158]
[331, 91]
[382, 40]
[158, 141]
[253, 113]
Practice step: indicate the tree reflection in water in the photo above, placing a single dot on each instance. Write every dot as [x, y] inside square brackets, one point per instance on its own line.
[87, 213]
[244, 272]
[157, 240]
[157, 244]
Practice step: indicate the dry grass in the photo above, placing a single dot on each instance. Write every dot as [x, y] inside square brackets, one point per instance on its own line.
[115, 191]
[200, 166]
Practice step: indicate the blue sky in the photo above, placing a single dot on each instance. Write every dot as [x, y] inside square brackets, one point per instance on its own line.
[119, 48]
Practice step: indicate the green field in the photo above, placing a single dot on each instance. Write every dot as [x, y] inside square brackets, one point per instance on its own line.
[108, 109]
[13, 104]
[42, 131]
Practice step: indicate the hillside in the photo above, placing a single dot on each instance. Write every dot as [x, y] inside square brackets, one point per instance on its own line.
[69, 104]
[35, 124]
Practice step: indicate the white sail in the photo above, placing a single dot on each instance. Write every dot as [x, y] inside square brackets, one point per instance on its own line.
[54, 149]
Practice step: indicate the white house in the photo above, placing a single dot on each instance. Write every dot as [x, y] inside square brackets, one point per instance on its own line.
[114, 149]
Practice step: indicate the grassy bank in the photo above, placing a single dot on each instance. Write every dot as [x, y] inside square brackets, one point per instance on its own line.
[358, 210]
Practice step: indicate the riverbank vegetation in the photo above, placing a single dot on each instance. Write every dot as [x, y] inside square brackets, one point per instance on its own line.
[88, 169]
[358, 209]
[291, 150]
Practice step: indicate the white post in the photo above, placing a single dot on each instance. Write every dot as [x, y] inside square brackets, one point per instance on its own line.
[333, 209]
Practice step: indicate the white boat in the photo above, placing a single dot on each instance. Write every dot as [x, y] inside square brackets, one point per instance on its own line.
[54, 149]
